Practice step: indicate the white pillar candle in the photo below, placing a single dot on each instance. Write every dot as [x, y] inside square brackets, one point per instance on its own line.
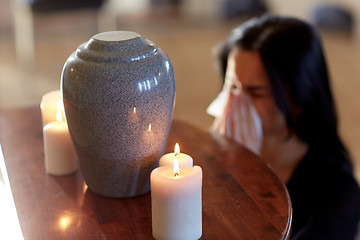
[60, 156]
[176, 203]
[168, 159]
[49, 106]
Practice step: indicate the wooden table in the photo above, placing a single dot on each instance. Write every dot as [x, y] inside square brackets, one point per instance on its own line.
[242, 197]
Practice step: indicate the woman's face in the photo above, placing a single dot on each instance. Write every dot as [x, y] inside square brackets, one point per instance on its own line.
[248, 72]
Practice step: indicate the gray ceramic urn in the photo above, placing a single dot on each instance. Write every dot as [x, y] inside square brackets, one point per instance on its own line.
[119, 91]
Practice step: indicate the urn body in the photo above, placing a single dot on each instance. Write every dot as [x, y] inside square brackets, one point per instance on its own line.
[119, 92]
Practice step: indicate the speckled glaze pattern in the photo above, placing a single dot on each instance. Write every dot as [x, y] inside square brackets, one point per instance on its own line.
[119, 100]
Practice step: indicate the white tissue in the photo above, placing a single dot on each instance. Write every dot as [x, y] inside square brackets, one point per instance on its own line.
[236, 116]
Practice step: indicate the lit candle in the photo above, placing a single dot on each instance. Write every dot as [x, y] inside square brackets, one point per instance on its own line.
[176, 202]
[182, 158]
[60, 156]
[49, 106]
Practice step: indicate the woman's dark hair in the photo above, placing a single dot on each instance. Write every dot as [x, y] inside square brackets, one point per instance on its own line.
[293, 58]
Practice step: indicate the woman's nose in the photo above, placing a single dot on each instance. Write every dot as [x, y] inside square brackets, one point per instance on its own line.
[236, 85]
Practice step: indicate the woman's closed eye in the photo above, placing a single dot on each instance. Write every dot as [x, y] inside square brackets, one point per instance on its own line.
[258, 91]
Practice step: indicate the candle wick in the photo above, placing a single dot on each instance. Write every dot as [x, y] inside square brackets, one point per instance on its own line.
[176, 154]
[176, 174]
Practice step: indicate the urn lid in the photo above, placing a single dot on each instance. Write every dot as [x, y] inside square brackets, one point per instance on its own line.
[116, 46]
[115, 36]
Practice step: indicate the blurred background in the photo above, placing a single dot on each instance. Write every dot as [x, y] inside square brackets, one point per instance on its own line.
[37, 36]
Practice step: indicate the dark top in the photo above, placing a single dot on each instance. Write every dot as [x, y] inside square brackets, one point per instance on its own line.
[325, 198]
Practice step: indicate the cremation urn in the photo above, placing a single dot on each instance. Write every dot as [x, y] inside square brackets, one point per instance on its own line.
[118, 91]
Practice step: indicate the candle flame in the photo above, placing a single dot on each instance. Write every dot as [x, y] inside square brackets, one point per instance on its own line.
[60, 105]
[176, 167]
[134, 110]
[149, 127]
[59, 115]
[177, 149]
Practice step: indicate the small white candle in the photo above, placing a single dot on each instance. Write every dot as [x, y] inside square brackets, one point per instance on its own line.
[168, 159]
[49, 106]
[176, 202]
[60, 156]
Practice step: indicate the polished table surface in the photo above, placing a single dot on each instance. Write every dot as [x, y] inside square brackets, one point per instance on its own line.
[242, 197]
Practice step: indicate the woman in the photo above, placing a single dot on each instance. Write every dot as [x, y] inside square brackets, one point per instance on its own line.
[275, 72]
